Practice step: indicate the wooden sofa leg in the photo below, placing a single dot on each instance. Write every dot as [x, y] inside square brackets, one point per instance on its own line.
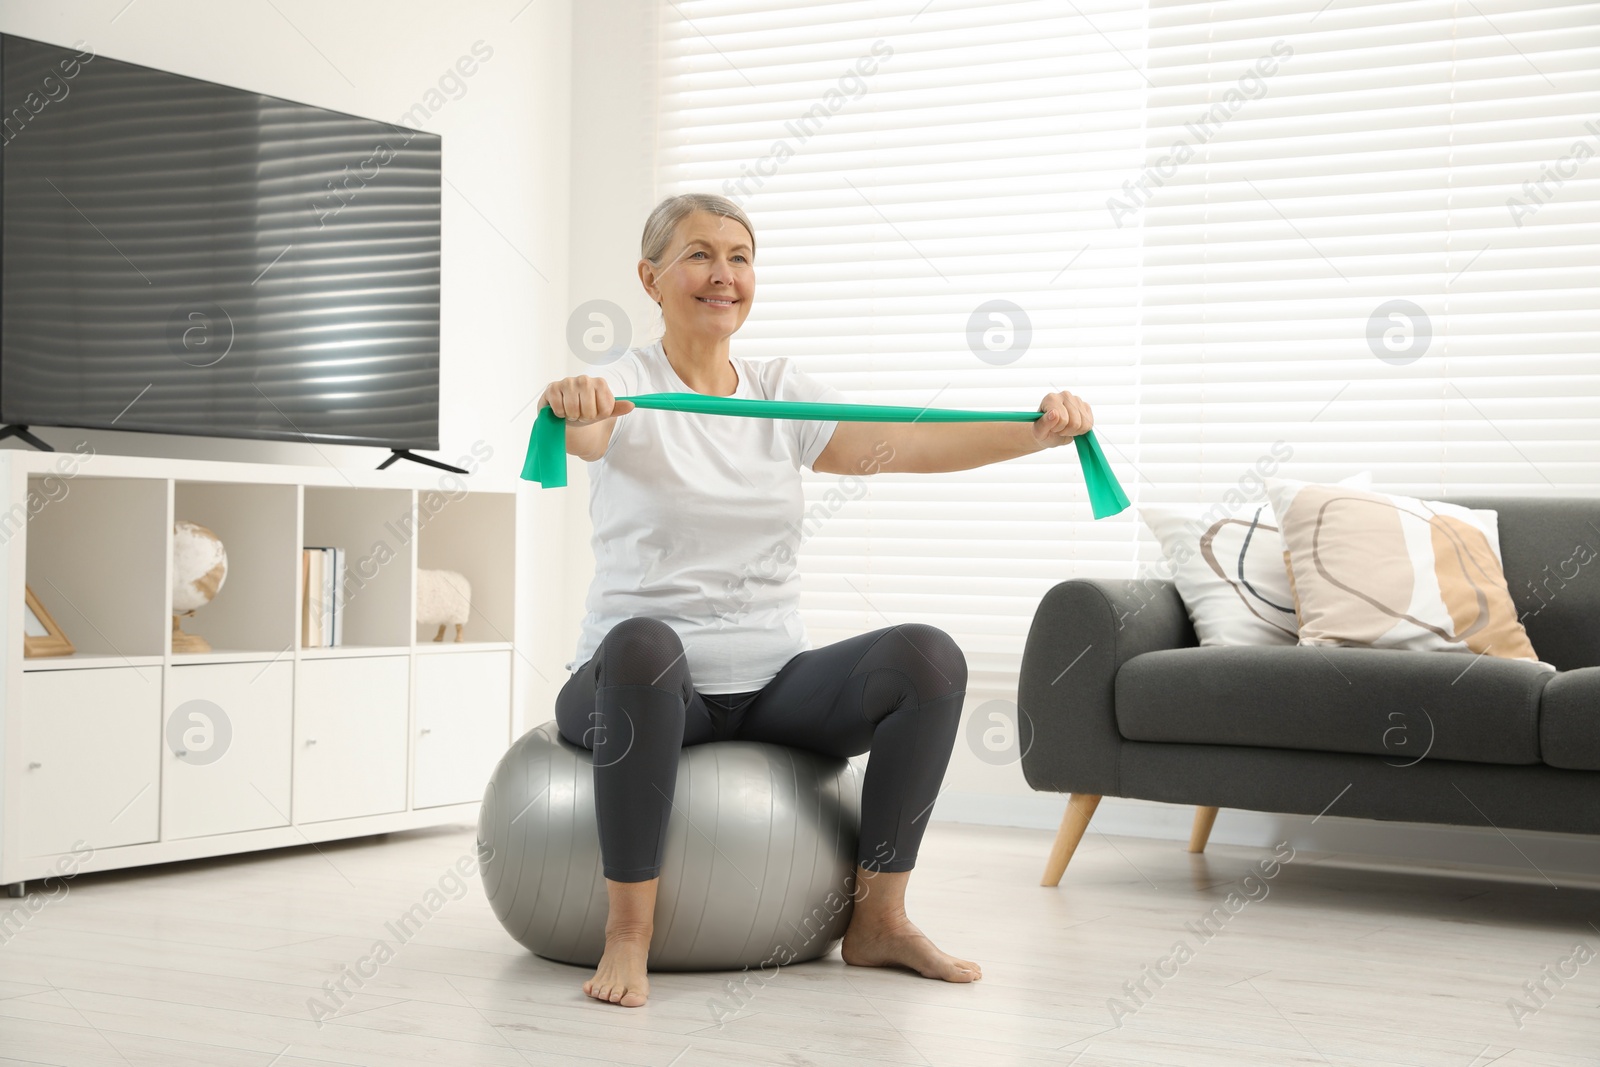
[1074, 821]
[1203, 820]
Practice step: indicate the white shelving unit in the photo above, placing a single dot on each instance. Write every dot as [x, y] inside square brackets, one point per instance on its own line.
[102, 761]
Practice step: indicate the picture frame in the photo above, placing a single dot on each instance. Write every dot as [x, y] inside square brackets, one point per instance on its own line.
[41, 635]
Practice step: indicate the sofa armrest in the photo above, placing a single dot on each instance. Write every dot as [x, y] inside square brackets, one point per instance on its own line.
[1083, 632]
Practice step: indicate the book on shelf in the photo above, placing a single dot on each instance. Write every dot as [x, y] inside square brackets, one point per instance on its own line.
[334, 587]
[322, 574]
[311, 598]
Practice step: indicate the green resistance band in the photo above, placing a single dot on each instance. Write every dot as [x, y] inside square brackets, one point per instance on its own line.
[547, 447]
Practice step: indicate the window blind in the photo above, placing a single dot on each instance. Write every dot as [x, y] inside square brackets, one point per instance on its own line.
[1380, 247]
[963, 157]
[967, 204]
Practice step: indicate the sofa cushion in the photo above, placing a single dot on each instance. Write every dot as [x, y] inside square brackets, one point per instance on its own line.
[1381, 570]
[1381, 702]
[1569, 720]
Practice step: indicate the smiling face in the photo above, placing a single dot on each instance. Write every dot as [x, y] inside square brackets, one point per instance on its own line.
[707, 279]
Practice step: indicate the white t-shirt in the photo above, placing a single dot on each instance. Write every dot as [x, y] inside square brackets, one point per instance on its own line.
[698, 520]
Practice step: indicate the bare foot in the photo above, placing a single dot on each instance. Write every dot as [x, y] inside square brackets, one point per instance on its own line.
[620, 977]
[900, 942]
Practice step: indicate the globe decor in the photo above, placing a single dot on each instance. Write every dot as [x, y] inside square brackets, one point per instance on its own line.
[199, 567]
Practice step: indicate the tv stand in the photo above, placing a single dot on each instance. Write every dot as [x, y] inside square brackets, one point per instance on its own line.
[104, 763]
[22, 432]
[406, 453]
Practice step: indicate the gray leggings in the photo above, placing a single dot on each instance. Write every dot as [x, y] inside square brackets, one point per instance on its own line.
[897, 691]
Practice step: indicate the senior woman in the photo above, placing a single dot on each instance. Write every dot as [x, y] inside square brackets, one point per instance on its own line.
[693, 632]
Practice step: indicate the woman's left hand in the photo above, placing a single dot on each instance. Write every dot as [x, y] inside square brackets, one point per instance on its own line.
[1065, 416]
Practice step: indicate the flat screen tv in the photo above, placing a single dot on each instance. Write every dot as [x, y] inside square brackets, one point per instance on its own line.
[182, 257]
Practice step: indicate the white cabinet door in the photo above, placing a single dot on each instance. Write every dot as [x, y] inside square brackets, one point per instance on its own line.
[463, 724]
[90, 761]
[350, 737]
[226, 735]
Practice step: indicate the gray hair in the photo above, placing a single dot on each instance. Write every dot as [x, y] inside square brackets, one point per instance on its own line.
[663, 221]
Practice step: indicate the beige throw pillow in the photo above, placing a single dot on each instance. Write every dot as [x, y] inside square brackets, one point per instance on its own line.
[1388, 571]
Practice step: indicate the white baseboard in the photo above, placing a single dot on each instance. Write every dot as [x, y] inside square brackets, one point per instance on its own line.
[1522, 855]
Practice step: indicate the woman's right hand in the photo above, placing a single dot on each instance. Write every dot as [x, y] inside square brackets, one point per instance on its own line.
[583, 400]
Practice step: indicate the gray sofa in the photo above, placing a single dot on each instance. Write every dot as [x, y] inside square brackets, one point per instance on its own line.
[1119, 699]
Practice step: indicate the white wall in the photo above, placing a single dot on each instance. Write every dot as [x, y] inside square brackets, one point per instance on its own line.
[613, 190]
[506, 161]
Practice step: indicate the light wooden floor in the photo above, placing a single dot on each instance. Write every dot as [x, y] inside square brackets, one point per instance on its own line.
[214, 962]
